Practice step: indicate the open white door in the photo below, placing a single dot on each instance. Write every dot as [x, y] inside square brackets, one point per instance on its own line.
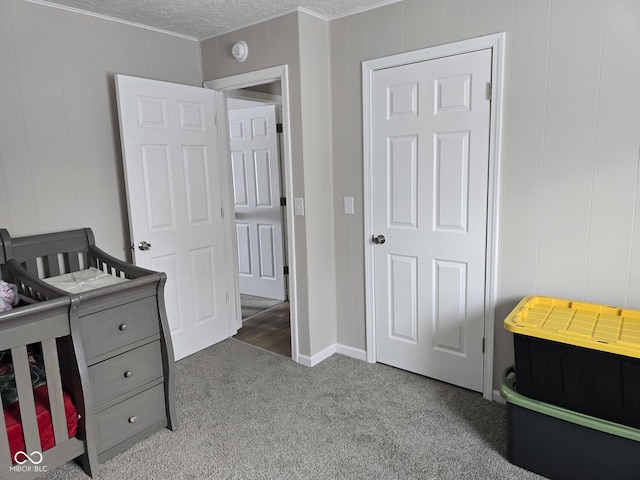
[430, 163]
[256, 183]
[173, 184]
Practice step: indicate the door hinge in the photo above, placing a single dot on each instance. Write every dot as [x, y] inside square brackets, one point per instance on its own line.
[489, 91]
[483, 345]
[283, 201]
[279, 128]
[215, 120]
[286, 270]
[221, 212]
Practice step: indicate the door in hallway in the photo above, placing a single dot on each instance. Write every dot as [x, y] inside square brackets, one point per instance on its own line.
[256, 181]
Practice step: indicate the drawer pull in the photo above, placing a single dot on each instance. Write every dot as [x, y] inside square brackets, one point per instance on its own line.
[128, 374]
[133, 419]
[122, 327]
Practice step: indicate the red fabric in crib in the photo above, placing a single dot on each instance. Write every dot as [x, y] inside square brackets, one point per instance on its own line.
[47, 439]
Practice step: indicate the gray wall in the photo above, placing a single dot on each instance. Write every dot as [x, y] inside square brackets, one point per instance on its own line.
[60, 161]
[569, 209]
[318, 180]
[569, 173]
[300, 41]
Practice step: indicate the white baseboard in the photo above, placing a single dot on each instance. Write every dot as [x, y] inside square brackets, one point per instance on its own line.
[304, 360]
[348, 351]
[358, 354]
[318, 357]
[330, 350]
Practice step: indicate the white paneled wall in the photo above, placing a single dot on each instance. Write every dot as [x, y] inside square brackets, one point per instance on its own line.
[60, 163]
[571, 144]
[588, 137]
[612, 266]
[568, 152]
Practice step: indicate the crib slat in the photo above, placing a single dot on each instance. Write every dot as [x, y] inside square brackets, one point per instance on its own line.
[25, 397]
[54, 386]
[74, 261]
[31, 266]
[51, 265]
[5, 455]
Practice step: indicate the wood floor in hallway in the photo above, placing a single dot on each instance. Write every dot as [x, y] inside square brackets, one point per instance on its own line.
[270, 331]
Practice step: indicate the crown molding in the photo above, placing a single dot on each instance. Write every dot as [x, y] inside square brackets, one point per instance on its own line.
[112, 19]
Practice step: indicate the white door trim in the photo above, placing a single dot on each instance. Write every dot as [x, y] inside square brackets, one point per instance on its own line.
[235, 82]
[495, 42]
[255, 96]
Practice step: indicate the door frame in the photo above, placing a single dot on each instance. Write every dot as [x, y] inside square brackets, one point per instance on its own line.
[236, 82]
[495, 42]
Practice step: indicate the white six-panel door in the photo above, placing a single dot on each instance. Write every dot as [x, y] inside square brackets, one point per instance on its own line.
[430, 156]
[173, 184]
[256, 181]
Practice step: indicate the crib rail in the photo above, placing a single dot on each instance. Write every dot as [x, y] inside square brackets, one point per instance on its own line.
[49, 254]
[31, 289]
[103, 261]
[40, 324]
[52, 254]
[5, 239]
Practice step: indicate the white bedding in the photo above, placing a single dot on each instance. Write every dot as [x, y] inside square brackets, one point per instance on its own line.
[83, 280]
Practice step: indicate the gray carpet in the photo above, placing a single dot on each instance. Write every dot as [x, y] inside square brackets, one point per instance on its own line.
[249, 414]
[252, 305]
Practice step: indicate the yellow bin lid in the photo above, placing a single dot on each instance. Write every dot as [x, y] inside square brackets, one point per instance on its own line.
[599, 327]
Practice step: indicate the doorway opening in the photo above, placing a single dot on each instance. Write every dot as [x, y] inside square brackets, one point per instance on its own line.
[260, 177]
[255, 127]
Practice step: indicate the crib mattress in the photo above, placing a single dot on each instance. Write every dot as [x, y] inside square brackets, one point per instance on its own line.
[45, 427]
[83, 280]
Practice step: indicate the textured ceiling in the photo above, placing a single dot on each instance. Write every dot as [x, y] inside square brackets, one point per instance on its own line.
[207, 18]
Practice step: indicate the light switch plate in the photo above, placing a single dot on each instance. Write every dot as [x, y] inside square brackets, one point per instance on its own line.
[298, 206]
[348, 206]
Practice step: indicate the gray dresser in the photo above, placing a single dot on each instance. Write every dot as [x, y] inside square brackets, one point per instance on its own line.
[130, 372]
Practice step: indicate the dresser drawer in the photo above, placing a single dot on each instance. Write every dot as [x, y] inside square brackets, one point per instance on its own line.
[122, 373]
[120, 326]
[124, 420]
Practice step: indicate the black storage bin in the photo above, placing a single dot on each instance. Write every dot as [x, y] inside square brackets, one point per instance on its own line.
[564, 445]
[596, 374]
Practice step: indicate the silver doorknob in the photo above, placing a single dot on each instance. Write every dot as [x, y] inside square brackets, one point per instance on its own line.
[379, 239]
[144, 246]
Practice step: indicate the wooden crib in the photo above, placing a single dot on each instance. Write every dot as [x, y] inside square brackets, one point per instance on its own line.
[121, 327]
[39, 423]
